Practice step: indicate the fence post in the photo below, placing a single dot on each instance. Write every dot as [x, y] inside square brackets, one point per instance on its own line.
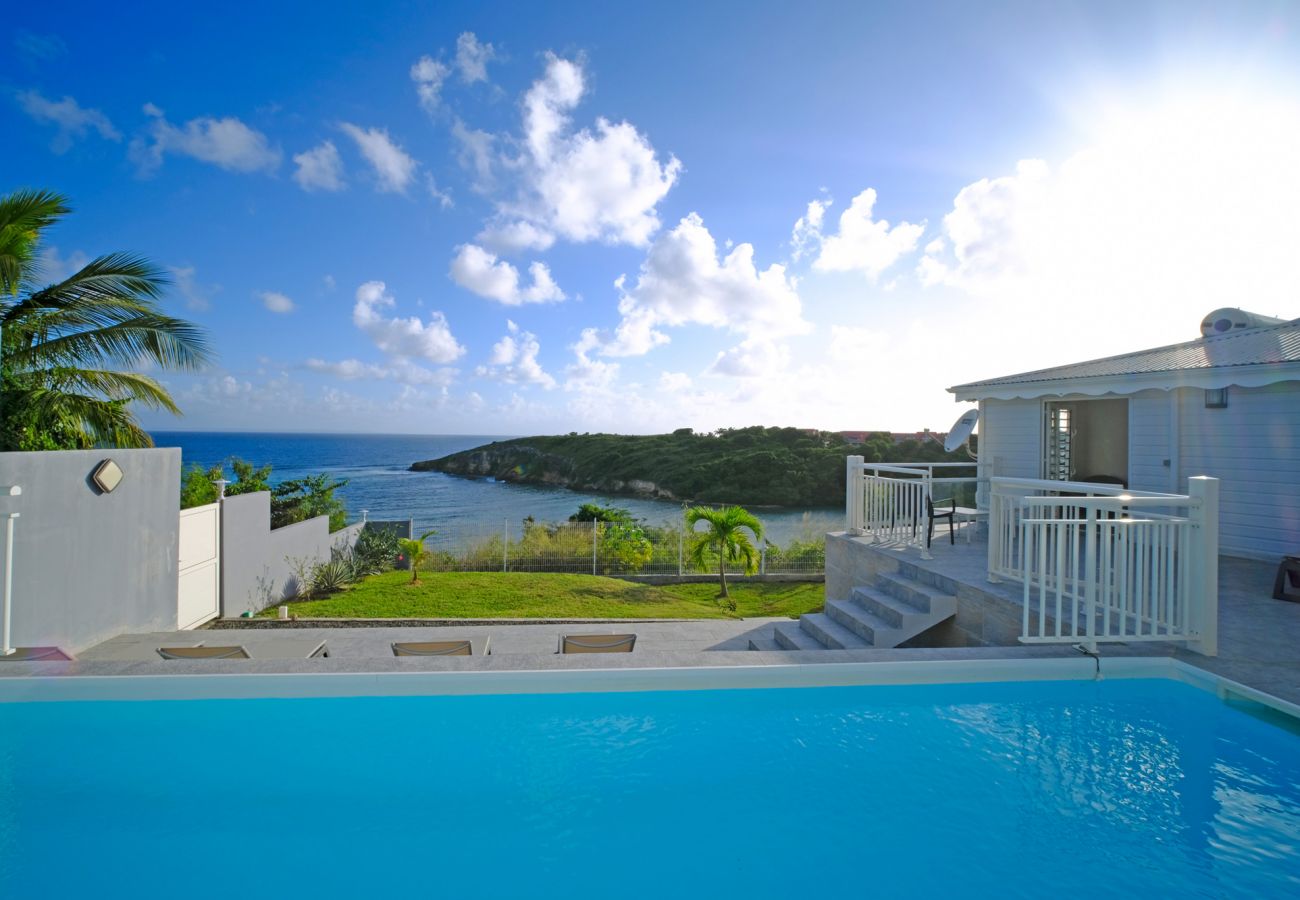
[595, 540]
[1203, 568]
[505, 546]
[681, 545]
[853, 495]
[762, 559]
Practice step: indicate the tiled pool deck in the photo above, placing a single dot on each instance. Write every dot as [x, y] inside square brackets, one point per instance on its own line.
[1259, 641]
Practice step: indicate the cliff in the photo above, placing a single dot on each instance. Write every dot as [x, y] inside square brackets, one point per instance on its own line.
[749, 466]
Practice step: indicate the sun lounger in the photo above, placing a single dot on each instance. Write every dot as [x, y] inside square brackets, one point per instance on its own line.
[35, 654]
[597, 643]
[438, 648]
[278, 648]
[201, 652]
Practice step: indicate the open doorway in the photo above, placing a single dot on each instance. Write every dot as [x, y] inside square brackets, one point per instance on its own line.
[1086, 440]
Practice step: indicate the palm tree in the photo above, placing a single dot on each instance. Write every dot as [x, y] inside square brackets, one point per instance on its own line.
[64, 346]
[416, 552]
[724, 537]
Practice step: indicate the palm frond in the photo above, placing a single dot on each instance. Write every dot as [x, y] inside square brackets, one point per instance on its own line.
[162, 340]
[131, 386]
[24, 214]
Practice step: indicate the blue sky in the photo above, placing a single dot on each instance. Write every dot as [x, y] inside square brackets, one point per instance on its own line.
[517, 218]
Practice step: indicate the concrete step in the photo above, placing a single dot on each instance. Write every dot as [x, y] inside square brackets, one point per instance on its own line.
[764, 643]
[831, 633]
[893, 611]
[790, 636]
[873, 629]
[924, 598]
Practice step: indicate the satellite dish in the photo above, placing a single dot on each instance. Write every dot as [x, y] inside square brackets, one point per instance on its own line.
[961, 430]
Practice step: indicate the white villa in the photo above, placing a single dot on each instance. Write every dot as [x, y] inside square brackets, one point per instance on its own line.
[1227, 405]
[1107, 490]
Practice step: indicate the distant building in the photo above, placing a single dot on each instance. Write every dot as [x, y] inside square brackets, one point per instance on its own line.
[898, 437]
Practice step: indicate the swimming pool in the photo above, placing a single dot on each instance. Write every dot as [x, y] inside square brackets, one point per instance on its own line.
[1132, 787]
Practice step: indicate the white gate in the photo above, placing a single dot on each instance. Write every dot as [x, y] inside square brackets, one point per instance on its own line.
[198, 590]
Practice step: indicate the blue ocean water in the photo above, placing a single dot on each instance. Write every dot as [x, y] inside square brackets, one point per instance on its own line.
[376, 469]
[1109, 789]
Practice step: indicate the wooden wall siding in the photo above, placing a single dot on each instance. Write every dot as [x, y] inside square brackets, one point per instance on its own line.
[1253, 447]
[1149, 445]
[1011, 438]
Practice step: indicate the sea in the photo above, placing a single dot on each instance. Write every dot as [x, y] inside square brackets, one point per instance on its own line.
[380, 485]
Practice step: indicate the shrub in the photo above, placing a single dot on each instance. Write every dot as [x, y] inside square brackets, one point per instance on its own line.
[376, 551]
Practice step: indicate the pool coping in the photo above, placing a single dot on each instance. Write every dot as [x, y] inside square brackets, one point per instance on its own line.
[284, 685]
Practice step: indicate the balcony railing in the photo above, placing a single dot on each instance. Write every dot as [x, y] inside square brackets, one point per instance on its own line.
[886, 501]
[1100, 563]
[1097, 562]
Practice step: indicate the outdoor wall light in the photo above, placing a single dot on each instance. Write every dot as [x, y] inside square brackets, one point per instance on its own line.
[1216, 398]
[107, 476]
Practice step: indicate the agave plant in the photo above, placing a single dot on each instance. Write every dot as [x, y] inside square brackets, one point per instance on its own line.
[70, 350]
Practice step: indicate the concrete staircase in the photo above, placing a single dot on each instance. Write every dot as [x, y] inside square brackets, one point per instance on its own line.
[895, 609]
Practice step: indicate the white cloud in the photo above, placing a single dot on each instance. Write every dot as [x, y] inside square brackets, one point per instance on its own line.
[476, 153]
[514, 360]
[276, 302]
[472, 57]
[53, 267]
[405, 338]
[808, 228]
[683, 281]
[227, 143]
[399, 370]
[674, 382]
[751, 359]
[1170, 212]
[329, 282]
[856, 345]
[72, 120]
[483, 273]
[586, 374]
[320, 168]
[39, 48]
[590, 184]
[442, 196]
[863, 244]
[197, 296]
[394, 169]
[428, 75]
[513, 237]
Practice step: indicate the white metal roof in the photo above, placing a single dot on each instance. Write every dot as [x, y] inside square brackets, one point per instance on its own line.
[1250, 358]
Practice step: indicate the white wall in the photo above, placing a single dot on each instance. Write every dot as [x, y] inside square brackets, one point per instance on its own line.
[1011, 438]
[1253, 448]
[1149, 444]
[88, 565]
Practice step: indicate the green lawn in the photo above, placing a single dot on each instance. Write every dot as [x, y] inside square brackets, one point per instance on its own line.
[511, 595]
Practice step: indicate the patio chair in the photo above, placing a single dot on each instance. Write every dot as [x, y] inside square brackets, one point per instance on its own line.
[277, 648]
[201, 652]
[439, 648]
[597, 643]
[35, 654]
[1287, 584]
[931, 514]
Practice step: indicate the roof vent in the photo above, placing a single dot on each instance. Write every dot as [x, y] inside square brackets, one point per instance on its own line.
[1228, 319]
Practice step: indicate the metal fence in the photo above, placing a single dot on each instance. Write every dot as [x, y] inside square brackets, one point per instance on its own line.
[601, 548]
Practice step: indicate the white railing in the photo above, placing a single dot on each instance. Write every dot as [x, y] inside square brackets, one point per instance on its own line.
[6, 592]
[886, 501]
[1100, 563]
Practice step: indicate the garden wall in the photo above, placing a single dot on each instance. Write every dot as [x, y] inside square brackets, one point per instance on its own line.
[90, 565]
[259, 564]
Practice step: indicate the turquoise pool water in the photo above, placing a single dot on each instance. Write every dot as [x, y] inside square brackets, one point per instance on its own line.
[1119, 788]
